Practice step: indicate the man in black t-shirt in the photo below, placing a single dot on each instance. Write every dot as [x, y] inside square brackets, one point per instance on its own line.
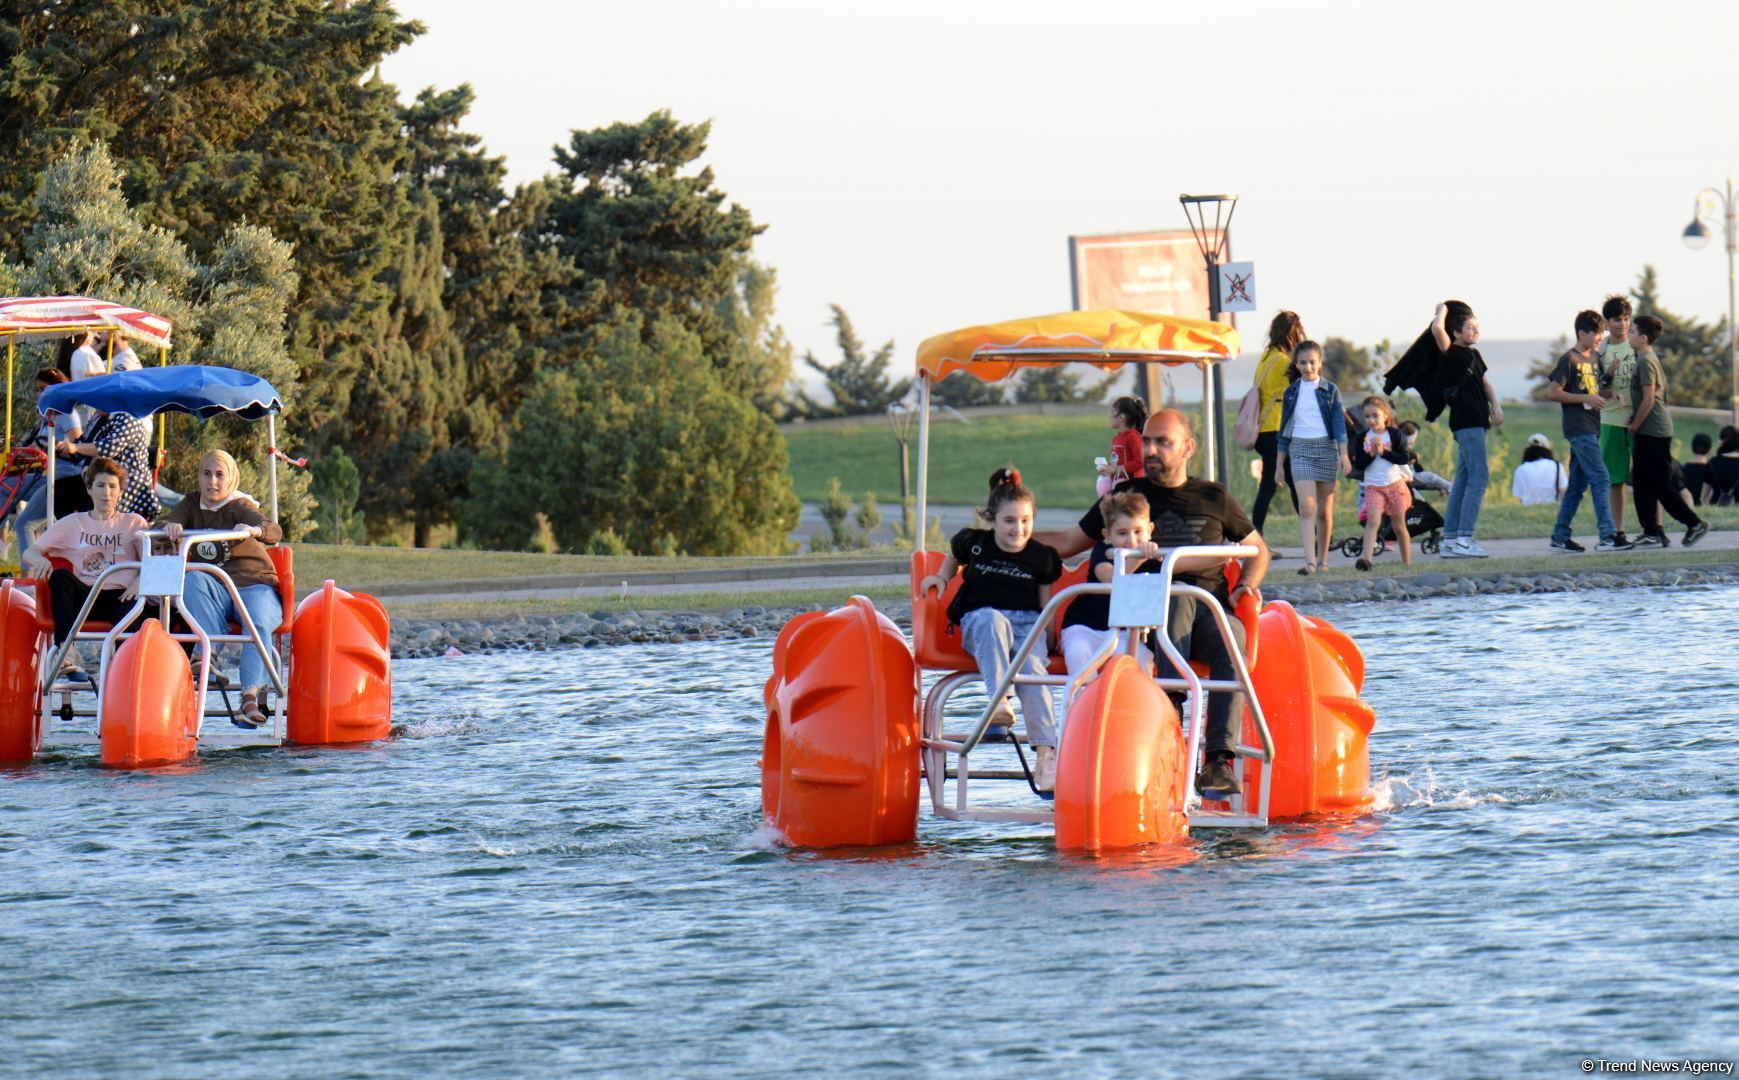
[1185, 511]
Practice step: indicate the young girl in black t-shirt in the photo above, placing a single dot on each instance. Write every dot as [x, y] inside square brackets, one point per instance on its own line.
[1008, 581]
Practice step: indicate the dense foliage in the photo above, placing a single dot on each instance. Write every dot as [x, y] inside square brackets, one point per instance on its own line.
[420, 299]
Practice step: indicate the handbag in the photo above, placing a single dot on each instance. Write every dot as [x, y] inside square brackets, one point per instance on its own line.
[1249, 422]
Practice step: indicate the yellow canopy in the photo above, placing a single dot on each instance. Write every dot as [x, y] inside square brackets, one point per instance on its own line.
[1106, 339]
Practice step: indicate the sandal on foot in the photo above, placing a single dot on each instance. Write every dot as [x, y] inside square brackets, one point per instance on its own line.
[250, 715]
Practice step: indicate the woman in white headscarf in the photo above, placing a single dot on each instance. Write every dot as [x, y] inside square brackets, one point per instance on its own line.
[219, 505]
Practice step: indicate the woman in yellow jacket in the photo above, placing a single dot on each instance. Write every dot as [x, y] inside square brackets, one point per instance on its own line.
[1274, 374]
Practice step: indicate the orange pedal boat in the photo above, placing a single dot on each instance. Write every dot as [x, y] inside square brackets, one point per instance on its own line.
[843, 759]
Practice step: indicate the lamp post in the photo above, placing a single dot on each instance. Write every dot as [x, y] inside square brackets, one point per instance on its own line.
[1212, 241]
[900, 417]
[1697, 234]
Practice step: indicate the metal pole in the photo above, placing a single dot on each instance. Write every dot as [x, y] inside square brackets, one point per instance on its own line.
[272, 460]
[1217, 412]
[1732, 328]
[920, 527]
[11, 353]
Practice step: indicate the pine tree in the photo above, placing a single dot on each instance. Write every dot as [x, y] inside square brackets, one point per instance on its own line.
[962, 391]
[858, 382]
[1693, 353]
[228, 310]
[644, 237]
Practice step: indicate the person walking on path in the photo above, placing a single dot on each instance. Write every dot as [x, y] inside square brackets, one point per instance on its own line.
[1274, 373]
[1651, 425]
[1617, 368]
[1473, 409]
[1574, 384]
[1313, 440]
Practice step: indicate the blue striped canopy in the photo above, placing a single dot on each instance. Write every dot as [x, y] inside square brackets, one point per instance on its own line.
[200, 389]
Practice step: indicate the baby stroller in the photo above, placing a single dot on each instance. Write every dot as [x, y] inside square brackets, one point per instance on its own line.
[1424, 525]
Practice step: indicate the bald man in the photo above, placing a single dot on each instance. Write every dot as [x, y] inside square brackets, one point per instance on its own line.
[1186, 511]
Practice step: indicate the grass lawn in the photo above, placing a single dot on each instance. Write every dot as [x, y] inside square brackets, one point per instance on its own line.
[462, 608]
[1055, 456]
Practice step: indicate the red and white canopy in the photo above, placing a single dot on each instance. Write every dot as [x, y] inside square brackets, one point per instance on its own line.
[58, 315]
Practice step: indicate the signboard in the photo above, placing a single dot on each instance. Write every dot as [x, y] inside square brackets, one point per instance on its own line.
[1237, 286]
[1150, 271]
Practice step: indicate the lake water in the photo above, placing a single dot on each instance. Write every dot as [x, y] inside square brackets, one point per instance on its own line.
[557, 869]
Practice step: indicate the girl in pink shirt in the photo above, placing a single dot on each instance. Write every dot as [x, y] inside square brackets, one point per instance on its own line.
[92, 541]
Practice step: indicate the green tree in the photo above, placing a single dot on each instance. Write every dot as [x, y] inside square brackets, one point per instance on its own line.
[643, 236]
[760, 370]
[1357, 371]
[257, 111]
[1060, 383]
[227, 309]
[963, 391]
[639, 435]
[858, 382]
[1540, 368]
[1694, 353]
[337, 485]
[402, 400]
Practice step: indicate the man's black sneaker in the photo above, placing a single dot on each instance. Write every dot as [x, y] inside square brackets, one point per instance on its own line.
[1696, 532]
[1568, 547]
[1218, 779]
[1618, 542]
[1652, 540]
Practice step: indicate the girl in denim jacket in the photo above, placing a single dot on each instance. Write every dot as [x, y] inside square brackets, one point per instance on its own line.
[1314, 440]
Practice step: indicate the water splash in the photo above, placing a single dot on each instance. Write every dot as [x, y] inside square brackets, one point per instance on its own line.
[1415, 790]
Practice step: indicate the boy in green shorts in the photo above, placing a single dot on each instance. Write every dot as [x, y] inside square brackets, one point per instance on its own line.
[1617, 370]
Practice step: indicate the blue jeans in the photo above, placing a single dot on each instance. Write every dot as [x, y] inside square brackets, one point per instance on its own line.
[1587, 470]
[1467, 493]
[207, 603]
[992, 635]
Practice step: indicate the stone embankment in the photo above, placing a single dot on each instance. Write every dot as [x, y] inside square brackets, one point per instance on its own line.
[428, 637]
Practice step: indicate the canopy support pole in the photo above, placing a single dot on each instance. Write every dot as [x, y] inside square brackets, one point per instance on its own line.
[1210, 460]
[272, 460]
[48, 471]
[923, 462]
[11, 355]
[162, 419]
[109, 361]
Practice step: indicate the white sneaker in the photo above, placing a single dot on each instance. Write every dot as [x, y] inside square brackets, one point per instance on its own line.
[1471, 550]
[1452, 549]
[1003, 714]
[1045, 768]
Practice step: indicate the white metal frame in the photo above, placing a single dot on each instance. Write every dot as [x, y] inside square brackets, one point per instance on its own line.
[1150, 612]
[161, 578]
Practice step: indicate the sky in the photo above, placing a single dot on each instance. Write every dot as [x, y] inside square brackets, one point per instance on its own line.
[923, 164]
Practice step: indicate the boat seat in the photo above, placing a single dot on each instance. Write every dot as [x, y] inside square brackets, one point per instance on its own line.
[939, 646]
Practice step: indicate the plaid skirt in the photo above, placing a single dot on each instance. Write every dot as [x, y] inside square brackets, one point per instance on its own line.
[1314, 459]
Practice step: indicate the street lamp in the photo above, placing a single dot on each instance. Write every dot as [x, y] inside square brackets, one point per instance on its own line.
[1697, 234]
[1212, 241]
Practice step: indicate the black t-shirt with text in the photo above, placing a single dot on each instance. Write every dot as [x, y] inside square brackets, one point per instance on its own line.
[1465, 388]
[1577, 377]
[1092, 610]
[1194, 512]
[1008, 580]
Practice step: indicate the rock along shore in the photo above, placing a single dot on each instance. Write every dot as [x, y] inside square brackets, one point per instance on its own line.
[436, 637]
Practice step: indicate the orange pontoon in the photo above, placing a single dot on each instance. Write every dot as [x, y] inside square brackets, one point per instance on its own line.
[841, 764]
